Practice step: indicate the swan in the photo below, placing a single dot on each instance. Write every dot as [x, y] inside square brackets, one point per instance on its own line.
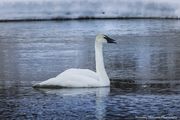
[83, 77]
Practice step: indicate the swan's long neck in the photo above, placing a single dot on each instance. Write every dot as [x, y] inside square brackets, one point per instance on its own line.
[100, 69]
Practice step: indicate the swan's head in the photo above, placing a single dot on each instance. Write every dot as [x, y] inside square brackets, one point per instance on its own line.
[104, 39]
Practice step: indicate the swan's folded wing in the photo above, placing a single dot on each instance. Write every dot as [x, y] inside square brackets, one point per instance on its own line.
[81, 72]
[73, 78]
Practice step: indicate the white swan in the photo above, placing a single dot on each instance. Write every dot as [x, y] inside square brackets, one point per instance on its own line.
[83, 77]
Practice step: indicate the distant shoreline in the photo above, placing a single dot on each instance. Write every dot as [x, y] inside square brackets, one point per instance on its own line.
[84, 18]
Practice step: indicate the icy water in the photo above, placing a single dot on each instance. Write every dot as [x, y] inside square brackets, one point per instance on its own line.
[144, 67]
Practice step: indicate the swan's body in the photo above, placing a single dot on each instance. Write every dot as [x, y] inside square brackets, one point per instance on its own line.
[74, 78]
[83, 77]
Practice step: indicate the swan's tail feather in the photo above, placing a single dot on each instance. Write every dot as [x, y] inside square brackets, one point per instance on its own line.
[50, 83]
[37, 86]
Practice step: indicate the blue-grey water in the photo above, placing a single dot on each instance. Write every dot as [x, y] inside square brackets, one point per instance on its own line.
[147, 54]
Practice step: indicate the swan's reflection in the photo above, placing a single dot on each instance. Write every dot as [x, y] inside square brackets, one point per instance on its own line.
[99, 93]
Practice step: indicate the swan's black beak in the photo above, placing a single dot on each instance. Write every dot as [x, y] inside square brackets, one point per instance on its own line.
[109, 40]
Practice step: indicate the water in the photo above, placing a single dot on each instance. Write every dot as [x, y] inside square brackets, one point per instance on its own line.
[147, 55]
[57, 9]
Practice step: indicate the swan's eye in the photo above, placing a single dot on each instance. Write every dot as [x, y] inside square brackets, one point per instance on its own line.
[105, 36]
